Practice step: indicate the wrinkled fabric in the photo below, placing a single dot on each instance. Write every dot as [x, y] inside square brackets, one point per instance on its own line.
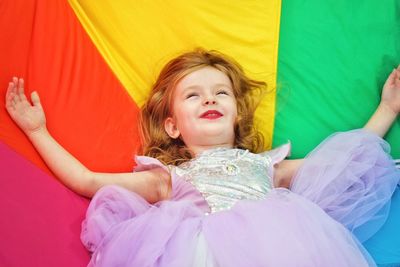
[344, 184]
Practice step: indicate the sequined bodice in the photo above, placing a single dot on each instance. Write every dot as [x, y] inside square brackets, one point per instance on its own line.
[224, 176]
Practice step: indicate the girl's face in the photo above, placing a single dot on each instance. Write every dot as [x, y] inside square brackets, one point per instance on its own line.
[204, 110]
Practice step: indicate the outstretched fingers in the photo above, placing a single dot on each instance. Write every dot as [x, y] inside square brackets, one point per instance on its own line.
[10, 96]
[394, 78]
[397, 71]
[14, 88]
[21, 93]
[12, 92]
[397, 76]
[36, 99]
[15, 96]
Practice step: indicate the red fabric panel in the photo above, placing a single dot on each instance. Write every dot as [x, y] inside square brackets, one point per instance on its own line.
[40, 218]
[87, 111]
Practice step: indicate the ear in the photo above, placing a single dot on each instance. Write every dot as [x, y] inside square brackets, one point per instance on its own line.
[171, 129]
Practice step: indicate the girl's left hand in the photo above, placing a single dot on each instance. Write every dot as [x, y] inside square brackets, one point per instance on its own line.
[391, 91]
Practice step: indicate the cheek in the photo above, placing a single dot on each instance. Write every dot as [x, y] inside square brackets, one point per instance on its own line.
[235, 117]
[234, 110]
[183, 116]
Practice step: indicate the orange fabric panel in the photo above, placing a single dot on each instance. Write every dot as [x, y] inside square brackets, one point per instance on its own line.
[87, 109]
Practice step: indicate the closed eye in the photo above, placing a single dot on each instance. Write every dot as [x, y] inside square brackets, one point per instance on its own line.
[223, 92]
[191, 95]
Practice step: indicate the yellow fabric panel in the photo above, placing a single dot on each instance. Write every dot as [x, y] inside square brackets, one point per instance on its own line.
[136, 38]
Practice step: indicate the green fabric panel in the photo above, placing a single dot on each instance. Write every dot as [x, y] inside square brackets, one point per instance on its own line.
[334, 57]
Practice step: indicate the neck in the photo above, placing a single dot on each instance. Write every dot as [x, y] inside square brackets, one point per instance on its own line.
[198, 149]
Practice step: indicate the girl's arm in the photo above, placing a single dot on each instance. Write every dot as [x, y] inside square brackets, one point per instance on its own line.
[389, 107]
[284, 172]
[379, 123]
[153, 185]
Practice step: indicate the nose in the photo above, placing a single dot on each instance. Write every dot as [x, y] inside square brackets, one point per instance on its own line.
[209, 100]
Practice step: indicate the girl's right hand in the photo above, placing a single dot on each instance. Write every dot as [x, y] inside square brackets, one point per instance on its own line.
[30, 118]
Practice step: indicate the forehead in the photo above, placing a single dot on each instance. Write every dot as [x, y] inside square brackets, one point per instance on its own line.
[203, 78]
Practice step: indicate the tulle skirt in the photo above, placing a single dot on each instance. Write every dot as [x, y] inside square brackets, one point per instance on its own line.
[343, 186]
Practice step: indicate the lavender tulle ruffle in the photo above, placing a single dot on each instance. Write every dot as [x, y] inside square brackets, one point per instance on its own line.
[344, 184]
[352, 177]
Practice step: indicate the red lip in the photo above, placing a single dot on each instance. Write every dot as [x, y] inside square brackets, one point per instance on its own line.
[211, 114]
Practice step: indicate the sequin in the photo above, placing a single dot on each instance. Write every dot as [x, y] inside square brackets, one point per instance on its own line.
[231, 169]
[224, 176]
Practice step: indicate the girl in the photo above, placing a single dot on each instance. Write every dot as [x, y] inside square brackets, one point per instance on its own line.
[201, 196]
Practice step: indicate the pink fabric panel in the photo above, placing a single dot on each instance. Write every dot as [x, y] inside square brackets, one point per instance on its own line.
[40, 218]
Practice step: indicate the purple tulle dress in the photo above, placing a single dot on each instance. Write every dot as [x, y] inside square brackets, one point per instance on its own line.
[224, 210]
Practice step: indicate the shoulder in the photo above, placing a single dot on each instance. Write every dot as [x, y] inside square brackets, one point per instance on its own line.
[144, 163]
[157, 173]
[279, 168]
[277, 154]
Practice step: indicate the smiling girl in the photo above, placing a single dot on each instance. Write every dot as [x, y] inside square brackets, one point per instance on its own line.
[202, 195]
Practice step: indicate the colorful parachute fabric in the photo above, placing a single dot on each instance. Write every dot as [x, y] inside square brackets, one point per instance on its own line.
[93, 63]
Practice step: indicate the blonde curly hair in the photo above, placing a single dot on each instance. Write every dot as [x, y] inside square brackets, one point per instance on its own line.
[158, 144]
